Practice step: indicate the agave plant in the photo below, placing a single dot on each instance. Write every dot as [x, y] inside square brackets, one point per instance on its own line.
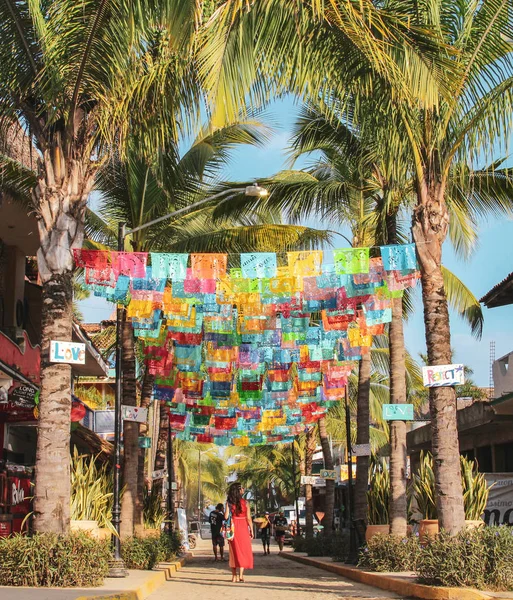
[423, 487]
[91, 490]
[475, 489]
[153, 511]
[378, 496]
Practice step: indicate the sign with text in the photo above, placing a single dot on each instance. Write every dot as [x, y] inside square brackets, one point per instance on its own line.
[67, 352]
[328, 473]
[134, 413]
[499, 507]
[160, 474]
[398, 412]
[443, 375]
[313, 480]
[361, 450]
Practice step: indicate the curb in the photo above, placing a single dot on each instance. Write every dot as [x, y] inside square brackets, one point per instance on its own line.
[155, 579]
[392, 584]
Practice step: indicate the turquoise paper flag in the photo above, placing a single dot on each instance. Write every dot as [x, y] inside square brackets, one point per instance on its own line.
[258, 265]
[399, 258]
[169, 266]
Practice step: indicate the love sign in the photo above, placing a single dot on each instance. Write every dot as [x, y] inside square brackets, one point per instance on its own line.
[67, 352]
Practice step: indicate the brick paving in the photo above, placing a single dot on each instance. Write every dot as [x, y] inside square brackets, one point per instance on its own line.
[273, 578]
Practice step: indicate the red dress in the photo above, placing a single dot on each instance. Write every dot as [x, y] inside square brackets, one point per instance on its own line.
[241, 552]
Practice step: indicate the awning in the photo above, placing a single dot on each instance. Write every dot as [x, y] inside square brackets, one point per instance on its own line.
[94, 364]
[500, 295]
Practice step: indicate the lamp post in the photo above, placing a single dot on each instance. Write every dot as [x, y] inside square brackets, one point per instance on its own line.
[352, 556]
[117, 566]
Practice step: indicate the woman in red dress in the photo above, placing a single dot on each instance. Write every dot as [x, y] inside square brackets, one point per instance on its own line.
[241, 552]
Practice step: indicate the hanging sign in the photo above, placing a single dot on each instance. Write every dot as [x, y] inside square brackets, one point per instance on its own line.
[144, 442]
[160, 474]
[398, 412]
[328, 473]
[361, 450]
[134, 413]
[23, 395]
[313, 480]
[67, 352]
[443, 375]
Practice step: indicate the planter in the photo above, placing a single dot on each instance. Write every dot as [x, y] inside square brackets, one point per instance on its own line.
[90, 527]
[474, 524]
[373, 530]
[428, 528]
[145, 533]
[104, 533]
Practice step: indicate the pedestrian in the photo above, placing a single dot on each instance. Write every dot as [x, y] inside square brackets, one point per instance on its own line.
[216, 519]
[241, 552]
[265, 530]
[280, 526]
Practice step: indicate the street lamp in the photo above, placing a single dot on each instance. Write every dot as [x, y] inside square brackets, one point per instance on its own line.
[117, 566]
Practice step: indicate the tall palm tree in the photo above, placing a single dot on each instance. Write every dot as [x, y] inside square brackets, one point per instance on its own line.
[136, 191]
[78, 76]
[443, 143]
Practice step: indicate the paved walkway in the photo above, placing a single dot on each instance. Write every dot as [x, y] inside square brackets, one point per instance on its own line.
[273, 578]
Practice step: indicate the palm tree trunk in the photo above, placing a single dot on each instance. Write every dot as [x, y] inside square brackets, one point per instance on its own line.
[52, 482]
[362, 437]
[430, 224]
[398, 509]
[60, 199]
[329, 505]
[309, 452]
[146, 395]
[398, 503]
[160, 455]
[131, 508]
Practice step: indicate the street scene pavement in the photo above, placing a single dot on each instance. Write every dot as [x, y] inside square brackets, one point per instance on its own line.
[273, 577]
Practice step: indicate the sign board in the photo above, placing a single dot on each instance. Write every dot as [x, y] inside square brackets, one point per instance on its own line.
[67, 352]
[361, 450]
[499, 508]
[134, 413]
[398, 412]
[23, 395]
[443, 375]
[182, 526]
[160, 474]
[144, 442]
[328, 474]
[174, 486]
[313, 480]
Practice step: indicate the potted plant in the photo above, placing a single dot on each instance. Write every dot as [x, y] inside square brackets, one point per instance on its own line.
[378, 498]
[475, 494]
[423, 488]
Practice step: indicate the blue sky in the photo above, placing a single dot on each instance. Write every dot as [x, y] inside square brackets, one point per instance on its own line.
[491, 262]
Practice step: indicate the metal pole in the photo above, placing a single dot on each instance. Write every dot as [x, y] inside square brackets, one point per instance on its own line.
[199, 486]
[352, 556]
[294, 476]
[170, 480]
[117, 567]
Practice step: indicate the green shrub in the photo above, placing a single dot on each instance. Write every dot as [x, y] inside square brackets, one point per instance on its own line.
[298, 543]
[390, 553]
[153, 512]
[481, 558]
[146, 553]
[45, 560]
[378, 496]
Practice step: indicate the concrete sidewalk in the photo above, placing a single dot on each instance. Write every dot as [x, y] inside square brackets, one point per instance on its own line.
[404, 584]
[137, 586]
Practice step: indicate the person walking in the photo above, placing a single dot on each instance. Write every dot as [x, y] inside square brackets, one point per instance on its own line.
[241, 552]
[216, 518]
[265, 530]
[280, 526]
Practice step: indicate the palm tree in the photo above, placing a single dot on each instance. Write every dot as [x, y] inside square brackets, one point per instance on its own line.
[78, 76]
[442, 143]
[136, 191]
[356, 182]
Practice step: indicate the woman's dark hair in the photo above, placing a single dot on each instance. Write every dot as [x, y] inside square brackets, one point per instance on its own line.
[235, 497]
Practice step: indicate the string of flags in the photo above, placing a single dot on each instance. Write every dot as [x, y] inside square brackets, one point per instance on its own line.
[245, 350]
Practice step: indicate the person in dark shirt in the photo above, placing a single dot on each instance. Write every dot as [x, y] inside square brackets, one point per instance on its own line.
[266, 533]
[216, 518]
[280, 526]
